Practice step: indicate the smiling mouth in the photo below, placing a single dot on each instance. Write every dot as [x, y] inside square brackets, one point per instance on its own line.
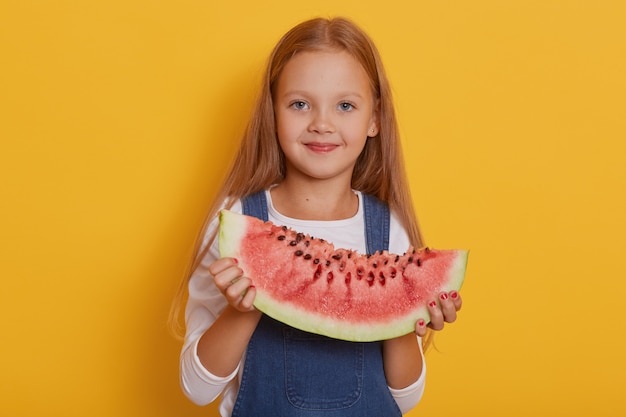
[321, 147]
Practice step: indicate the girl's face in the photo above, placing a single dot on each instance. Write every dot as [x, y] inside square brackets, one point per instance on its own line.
[325, 110]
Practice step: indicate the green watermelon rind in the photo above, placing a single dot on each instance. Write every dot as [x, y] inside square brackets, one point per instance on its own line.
[228, 242]
[367, 332]
[232, 230]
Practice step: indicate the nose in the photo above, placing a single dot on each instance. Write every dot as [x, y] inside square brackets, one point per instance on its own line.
[321, 122]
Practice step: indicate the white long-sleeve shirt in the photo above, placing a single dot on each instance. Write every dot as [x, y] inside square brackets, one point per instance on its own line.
[206, 303]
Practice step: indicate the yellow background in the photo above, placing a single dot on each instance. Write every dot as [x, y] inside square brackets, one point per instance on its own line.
[118, 118]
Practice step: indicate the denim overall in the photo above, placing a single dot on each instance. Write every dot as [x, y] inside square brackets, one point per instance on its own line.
[292, 373]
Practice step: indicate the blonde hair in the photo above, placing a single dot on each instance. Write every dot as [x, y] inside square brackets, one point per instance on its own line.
[260, 162]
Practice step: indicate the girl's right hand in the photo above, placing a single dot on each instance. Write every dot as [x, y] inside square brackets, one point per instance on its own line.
[237, 289]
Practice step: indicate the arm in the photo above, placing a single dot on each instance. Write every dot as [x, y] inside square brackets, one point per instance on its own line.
[222, 345]
[403, 357]
[403, 361]
[217, 333]
[208, 311]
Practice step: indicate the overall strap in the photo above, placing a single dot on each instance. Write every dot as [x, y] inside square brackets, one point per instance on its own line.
[377, 219]
[255, 205]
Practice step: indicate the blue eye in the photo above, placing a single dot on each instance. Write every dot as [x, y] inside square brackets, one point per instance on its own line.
[345, 106]
[299, 105]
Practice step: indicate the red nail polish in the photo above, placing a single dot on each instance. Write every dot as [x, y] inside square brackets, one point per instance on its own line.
[432, 304]
[235, 260]
[421, 323]
[444, 296]
[454, 294]
[251, 286]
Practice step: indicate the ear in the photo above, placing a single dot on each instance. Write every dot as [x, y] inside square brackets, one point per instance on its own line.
[374, 126]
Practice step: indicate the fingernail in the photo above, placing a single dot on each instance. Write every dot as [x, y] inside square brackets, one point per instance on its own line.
[444, 296]
[421, 323]
[454, 294]
[432, 304]
[235, 260]
[251, 286]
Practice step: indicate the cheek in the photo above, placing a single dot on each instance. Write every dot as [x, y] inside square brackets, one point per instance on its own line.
[287, 128]
[279, 126]
[282, 132]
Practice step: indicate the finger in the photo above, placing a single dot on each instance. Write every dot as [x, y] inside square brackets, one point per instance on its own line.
[242, 300]
[456, 299]
[221, 264]
[447, 307]
[236, 290]
[247, 299]
[420, 328]
[227, 277]
[436, 316]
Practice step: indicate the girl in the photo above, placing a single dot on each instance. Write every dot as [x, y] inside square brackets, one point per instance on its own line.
[321, 149]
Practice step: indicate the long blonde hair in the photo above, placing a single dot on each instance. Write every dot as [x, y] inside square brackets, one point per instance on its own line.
[260, 162]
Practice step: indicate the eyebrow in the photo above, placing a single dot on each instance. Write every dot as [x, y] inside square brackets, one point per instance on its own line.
[340, 94]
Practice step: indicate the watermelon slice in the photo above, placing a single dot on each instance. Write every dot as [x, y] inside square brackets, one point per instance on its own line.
[308, 284]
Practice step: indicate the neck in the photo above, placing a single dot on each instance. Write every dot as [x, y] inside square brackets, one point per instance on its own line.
[315, 200]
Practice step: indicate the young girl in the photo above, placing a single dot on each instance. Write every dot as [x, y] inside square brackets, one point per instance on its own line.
[321, 149]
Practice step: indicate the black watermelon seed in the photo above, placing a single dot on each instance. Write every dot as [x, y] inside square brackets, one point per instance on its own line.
[307, 256]
[282, 237]
[318, 272]
[298, 253]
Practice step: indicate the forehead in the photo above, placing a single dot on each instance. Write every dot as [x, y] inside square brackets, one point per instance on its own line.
[324, 70]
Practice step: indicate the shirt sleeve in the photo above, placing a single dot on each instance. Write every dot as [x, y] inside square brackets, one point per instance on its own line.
[204, 305]
[407, 398]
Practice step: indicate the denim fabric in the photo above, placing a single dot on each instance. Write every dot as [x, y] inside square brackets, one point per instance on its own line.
[292, 373]
[376, 215]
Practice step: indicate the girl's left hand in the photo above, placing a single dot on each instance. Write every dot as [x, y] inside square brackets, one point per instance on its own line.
[441, 312]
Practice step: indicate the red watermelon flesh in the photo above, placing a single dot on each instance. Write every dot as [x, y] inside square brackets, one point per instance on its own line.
[309, 284]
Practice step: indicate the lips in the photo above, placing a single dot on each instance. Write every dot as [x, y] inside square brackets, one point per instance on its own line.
[321, 147]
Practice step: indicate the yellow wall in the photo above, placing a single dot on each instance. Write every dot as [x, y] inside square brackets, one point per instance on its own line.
[117, 119]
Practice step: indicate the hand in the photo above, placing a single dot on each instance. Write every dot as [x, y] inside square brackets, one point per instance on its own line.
[237, 289]
[441, 312]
